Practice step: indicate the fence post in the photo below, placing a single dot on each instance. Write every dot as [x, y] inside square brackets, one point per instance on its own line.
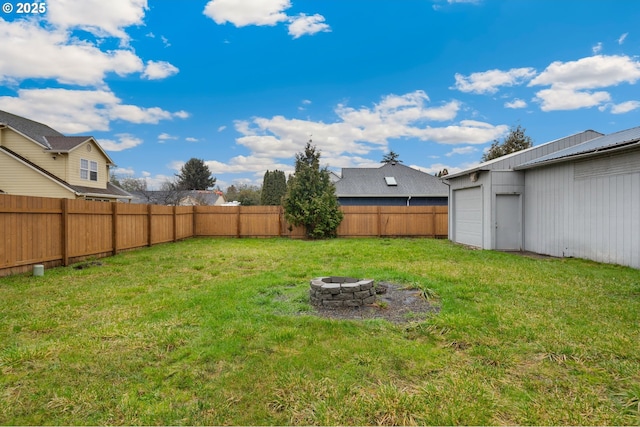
[175, 223]
[194, 221]
[433, 219]
[64, 228]
[238, 222]
[379, 221]
[149, 217]
[114, 227]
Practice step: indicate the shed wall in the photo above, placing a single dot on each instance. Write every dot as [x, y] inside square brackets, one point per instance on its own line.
[587, 209]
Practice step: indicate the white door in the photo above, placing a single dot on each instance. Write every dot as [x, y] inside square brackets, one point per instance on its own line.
[508, 222]
[467, 216]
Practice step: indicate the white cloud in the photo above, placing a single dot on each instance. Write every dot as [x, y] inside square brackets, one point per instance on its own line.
[597, 48]
[516, 103]
[307, 25]
[570, 81]
[125, 141]
[568, 99]
[462, 150]
[135, 114]
[124, 171]
[264, 13]
[356, 132]
[182, 114]
[166, 137]
[221, 128]
[35, 52]
[625, 107]
[622, 38]
[99, 17]
[590, 72]
[79, 111]
[155, 182]
[191, 139]
[156, 70]
[247, 12]
[490, 81]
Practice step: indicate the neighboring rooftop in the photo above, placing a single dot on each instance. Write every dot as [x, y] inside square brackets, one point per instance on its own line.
[391, 179]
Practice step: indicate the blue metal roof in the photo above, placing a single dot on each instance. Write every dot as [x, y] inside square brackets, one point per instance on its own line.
[601, 143]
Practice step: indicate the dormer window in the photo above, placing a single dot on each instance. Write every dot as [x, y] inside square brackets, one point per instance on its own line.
[390, 180]
[88, 170]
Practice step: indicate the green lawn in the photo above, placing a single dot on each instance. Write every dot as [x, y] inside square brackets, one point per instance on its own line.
[219, 331]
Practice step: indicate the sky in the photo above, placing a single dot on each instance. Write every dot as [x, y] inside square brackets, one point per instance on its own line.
[245, 84]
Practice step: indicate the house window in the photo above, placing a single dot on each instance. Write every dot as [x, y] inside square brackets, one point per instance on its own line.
[88, 170]
[390, 180]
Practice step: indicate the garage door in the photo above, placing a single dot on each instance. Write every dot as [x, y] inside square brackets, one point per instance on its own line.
[467, 216]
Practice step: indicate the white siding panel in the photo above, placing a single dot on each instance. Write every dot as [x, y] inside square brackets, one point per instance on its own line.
[592, 215]
[547, 212]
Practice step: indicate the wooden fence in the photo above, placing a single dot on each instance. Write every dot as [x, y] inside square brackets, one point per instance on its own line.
[36, 230]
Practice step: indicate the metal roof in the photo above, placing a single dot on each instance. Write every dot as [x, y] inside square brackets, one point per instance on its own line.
[513, 160]
[593, 146]
[367, 182]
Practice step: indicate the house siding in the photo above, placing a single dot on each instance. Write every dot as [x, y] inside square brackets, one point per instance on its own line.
[95, 155]
[595, 216]
[35, 153]
[31, 183]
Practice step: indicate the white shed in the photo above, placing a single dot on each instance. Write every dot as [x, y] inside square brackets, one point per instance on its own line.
[577, 196]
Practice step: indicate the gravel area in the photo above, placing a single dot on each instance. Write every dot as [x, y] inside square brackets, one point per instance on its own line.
[397, 305]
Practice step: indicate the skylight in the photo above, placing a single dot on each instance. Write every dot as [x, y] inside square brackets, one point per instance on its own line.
[390, 180]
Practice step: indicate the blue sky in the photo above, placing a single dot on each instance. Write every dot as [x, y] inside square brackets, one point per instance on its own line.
[244, 84]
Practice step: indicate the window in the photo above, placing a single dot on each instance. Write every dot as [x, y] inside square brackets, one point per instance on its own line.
[93, 172]
[88, 170]
[390, 180]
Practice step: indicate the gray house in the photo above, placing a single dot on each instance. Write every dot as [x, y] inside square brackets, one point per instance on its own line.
[578, 196]
[392, 184]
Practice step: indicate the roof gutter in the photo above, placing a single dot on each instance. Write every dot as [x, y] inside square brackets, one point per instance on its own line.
[103, 195]
[391, 195]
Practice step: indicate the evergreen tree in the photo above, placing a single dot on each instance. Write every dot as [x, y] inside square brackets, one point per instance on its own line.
[195, 175]
[515, 140]
[311, 199]
[247, 195]
[274, 187]
[391, 157]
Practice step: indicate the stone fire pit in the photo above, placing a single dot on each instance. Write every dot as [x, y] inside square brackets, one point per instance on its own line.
[338, 292]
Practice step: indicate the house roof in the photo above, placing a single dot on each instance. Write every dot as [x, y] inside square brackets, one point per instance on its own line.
[612, 141]
[370, 182]
[65, 143]
[109, 192]
[513, 160]
[34, 130]
[49, 138]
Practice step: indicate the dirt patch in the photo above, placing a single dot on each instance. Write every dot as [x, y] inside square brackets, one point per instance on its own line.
[398, 305]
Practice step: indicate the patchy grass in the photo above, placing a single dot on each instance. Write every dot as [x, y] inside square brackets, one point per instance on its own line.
[219, 331]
